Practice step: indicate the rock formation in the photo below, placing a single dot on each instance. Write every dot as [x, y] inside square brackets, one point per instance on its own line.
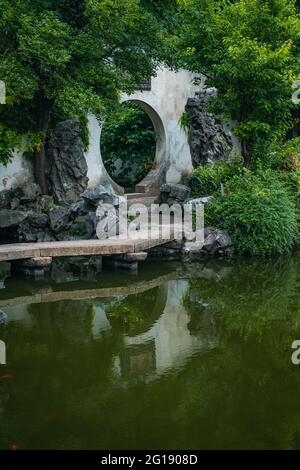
[101, 193]
[216, 243]
[67, 167]
[173, 194]
[209, 141]
[39, 219]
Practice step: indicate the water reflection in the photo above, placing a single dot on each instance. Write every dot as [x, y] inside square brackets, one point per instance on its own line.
[195, 357]
[170, 341]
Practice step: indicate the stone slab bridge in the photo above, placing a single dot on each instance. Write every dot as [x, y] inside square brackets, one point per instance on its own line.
[108, 247]
[123, 254]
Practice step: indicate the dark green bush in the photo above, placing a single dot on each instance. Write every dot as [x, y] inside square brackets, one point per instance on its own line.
[288, 165]
[80, 229]
[292, 180]
[206, 180]
[259, 213]
[288, 156]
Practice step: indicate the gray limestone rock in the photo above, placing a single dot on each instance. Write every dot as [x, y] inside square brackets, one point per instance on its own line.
[29, 193]
[216, 243]
[174, 194]
[38, 220]
[193, 203]
[11, 218]
[101, 193]
[60, 219]
[5, 198]
[209, 141]
[67, 166]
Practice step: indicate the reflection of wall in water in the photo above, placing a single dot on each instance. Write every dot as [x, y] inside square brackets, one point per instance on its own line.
[18, 313]
[167, 342]
[32, 314]
[138, 359]
[173, 342]
[100, 321]
[2, 353]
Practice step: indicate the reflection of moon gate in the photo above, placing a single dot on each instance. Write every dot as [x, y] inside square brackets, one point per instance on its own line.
[2, 352]
[165, 342]
[169, 341]
[164, 103]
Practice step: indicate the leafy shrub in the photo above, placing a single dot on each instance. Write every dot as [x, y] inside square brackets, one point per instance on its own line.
[80, 229]
[289, 156]
[288, 164]
[185, 122]
[47, 206]
[292, 180]
[206, 180]
[8, 141]
[259, 213]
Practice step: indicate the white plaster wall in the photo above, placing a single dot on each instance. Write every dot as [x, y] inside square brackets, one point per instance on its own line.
[96, 170]
[17, 173]
[167, 98]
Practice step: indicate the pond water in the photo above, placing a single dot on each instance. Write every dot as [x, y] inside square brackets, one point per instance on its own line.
[191, 356]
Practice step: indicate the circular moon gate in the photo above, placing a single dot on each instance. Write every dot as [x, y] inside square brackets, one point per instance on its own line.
[150, 180]
[164, 103]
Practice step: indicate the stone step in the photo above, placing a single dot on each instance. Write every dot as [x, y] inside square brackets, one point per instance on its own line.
[134, 195]
[144, 200]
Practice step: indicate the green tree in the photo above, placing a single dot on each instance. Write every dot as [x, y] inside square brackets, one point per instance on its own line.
[249, 50]
[61, 58]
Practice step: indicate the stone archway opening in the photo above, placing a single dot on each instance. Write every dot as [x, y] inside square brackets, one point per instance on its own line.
[133, 147]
